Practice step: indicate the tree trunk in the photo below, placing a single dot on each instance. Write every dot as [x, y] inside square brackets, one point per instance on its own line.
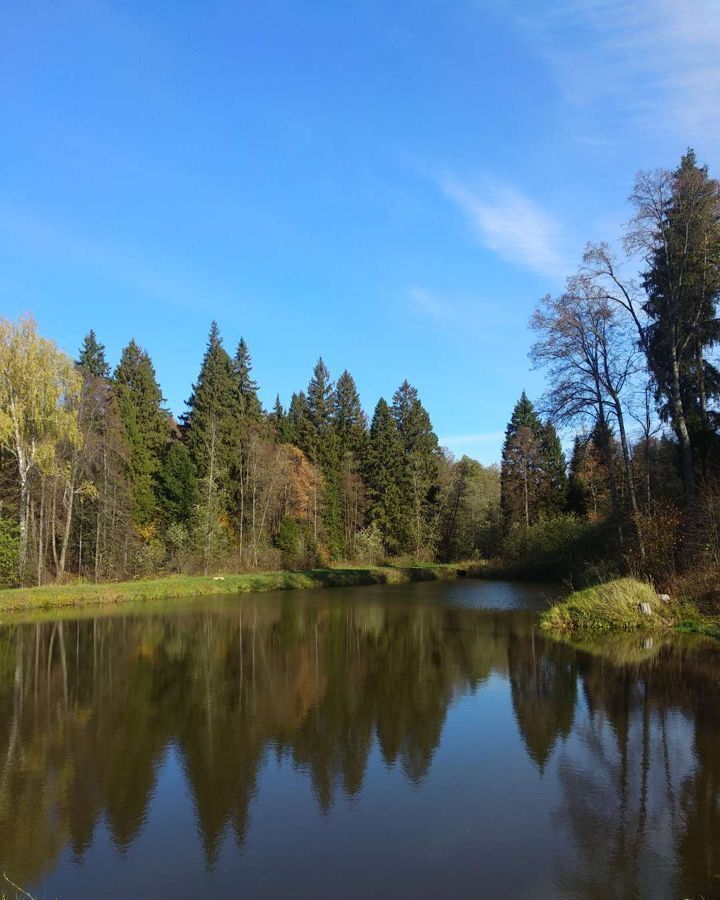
[41, 549]
[627, 461]
[681, 429]
[68, 523]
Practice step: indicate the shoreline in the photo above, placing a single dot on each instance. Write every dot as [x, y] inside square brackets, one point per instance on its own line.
[175, 587]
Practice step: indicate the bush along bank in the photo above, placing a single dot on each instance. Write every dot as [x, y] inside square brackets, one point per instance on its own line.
[624, 604]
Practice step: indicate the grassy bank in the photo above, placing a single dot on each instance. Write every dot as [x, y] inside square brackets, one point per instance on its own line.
[624, 604]
[178, 586]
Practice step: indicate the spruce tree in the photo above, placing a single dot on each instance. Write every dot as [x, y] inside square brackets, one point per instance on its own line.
[177, 484]
[146, 424]
[281, 422]
[521, 467]
[421, 459]
[350, 422]
[211, 425]
[677, 225]
[300, 428]
[533, 472]
[384, 471]
[247, 386]
[92, 356]
[554, 494]
[320, 413]
[321, 398]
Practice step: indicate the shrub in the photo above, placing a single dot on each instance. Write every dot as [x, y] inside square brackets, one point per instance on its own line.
[296, 544]
[9, 553]
[369, 546]
[557, 547]
[149, 557]
[614, 606]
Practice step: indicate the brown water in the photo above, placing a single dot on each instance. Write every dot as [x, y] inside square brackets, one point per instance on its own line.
[421, 741]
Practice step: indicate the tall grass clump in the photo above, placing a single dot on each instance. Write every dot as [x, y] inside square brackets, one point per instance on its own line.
[614, 606]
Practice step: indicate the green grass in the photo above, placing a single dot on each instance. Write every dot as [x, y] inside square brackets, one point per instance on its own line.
[178, 586]
[705, 626]
[613, 606]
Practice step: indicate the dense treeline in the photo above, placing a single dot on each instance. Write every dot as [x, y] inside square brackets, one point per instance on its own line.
[98, 481]
[630, 363]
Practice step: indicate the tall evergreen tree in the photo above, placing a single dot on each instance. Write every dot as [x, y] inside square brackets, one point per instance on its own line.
[211, 425]
[421, 458]
[533, 482]
[281, 421]
[92, 356]
[146, 424]
[320, 411]
[247, 386]
[553, 498]
[300, 428]
[350, 422]
[677, 226]
[177, 484]
[385, 475]
[321, 398]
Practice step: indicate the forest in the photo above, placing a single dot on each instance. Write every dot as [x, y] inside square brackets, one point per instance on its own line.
[99, 482]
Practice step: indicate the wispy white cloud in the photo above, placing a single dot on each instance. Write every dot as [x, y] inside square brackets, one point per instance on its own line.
[653, 63]
[509, 223]
[453, 308]
[431, 304]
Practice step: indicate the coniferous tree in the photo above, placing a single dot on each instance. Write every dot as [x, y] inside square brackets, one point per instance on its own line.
[146, 424]
[350, 422]
[533, 479]
[352, 436]
[177, 484]
[211, 425]
[247, 386]
[300, 428]
[92, 356]
[320, 411]
[281, 422]
[555, 482]
[421, 456]
[677, 227]
[385, 476]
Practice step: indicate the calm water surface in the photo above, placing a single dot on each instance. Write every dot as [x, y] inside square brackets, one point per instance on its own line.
[400, 742]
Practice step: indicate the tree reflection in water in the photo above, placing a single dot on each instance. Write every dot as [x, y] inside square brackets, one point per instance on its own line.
[89, 708]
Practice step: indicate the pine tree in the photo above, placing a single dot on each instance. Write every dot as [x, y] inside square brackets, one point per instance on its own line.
[247, 386]
[320, 412]
[300, 428]
[321, 398]
[554, 493]
[677, 225]
[521, 468]
[92, 356]
[533, 471]
[421, 465]
[385, 477]
[211, 425]
[177, 484]
[350, 421]
[146, 424]
[281, 422]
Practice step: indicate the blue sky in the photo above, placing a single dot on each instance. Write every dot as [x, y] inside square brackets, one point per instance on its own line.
[390, 185]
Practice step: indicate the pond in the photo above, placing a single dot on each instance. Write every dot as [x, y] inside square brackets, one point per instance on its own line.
[402, 742]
